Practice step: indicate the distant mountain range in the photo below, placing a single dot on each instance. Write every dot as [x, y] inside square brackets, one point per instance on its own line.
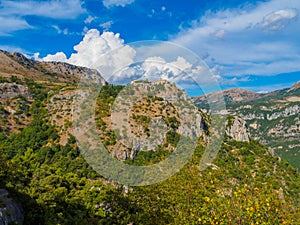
[272, 118]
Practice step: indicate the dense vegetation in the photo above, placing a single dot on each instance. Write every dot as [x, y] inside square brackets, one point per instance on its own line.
[54, 184]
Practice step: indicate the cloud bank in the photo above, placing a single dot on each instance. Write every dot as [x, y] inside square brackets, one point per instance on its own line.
[260, 39]
[118, 64]
[13, 13]
[92, 52]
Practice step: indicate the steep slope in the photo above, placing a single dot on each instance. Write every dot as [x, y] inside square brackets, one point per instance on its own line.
[16, 64]
[20, 80]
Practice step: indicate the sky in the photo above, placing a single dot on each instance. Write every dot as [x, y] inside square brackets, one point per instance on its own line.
[248, 44]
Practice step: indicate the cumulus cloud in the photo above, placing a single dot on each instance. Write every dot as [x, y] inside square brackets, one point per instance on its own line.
[58, 57]
[179, 71]
[111, 3]
[237, 42]
[118, 63]
[93, 51]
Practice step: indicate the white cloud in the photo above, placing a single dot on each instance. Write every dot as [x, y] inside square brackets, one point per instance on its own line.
[261, 39]
[59, 56]
[180, 71]
[157, 68]
[89, 19]
[94, 46]
[10, 24]
[58, 9]
[107, 25]
[61, 31]
[219, 34]
[118, 63]
[93, 51]
[13, 13]
[111, 3]
[277, 20]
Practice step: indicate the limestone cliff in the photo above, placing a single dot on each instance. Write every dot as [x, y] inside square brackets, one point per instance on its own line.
[237, 129]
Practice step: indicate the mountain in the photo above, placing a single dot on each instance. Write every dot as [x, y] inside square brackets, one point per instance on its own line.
[18, 65]
[296, 86]
[273, 118]
[17, 89]
[43, 171]
[231, 96]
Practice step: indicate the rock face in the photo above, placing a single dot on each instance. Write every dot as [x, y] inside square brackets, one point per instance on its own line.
[237, 129]
[74, 71]
[146, 116]
[10, 211]
[10, 90]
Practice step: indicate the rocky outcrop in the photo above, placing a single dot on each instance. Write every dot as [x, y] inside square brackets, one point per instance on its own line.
[10, 211]
[10, 90]
[74, 71]
[289, 111]
[149, 116]
[237, 129]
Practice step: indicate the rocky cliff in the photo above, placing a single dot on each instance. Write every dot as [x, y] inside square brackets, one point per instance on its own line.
[146, 116]
[11, 90]
[237, 129]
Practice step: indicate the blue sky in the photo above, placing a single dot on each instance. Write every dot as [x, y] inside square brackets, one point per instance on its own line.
[250, 44]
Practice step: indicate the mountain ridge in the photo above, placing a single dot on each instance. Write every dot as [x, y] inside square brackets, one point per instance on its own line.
[272, 118]
[237, 95]
[20, 66]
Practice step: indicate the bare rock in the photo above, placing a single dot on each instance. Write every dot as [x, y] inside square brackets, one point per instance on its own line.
[237, 129]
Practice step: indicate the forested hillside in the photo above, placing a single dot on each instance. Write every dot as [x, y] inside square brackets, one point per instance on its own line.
[44, 171]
